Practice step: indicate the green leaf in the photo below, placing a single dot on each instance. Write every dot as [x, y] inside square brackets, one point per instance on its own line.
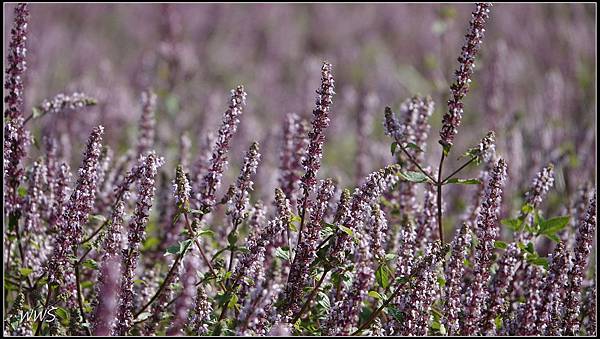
[196, 212]
[97, 218]
[446, 149]
[552, 237]
[297, 325]
[498, 322]
[25, 271]
[347, 230]
[61, 313]
[390, 256]
[140, 282]
[553, 225]
[393, 147]
[296, 218]
[375, 294]
[512, 224]
[323, 300]
[206, 233]
[413, 176]
[293, 227]
[37, 112]
[22, 191]
[42, 281]
[179, 248]
[90, 263]
[435, 325]
[529, 248]
[150, 243]
[527, 208]
[464, 181]
[414, 146]
[232, 301]
[232, 238]
[539, 261]
[395, 313]
[441, 281]
[283, 253]
[143, 316]
[500, 244]
[382, 275]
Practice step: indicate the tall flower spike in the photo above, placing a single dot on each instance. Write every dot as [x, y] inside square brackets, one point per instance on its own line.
[201, 166]
[111, 244]
[181, 187]
[454, 278]
[16, 137]
[136, 235]
[583, 245]
[320, 122]
[422, 295]
[293, 153]
[16, 63]
[108, 289]
[378, 232]
[488, 232]
[590, 311]
[147, 123]
[374, 185]
[186, 298]
[528, 312]
[60, 191]
[307, 249]
[79, 206]
[540, 186]
[62, 102]
[466, 65]
[35, 199]
[238, 205]
[201, 315]
[427, 218]
[218, 162]
[499, 288]
[345, 314]
[553, 292]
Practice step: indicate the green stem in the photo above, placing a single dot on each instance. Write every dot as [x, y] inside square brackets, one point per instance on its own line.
[95, 232]
[40, 322]
[374, 315]
[310, 297]
[439, 198]
[80, 297]
[415, 162]
[458, 170]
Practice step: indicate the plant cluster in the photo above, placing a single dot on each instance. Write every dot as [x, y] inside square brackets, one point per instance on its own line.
[118, 248]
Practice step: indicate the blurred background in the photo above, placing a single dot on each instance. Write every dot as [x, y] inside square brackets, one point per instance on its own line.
[534, 82]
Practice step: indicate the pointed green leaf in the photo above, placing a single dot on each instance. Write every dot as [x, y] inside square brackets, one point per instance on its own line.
[393, 147]
[464, 181]
[90, 263]
[283, 253]
[414, 146]
[500, 244]
[553, 225]
[413, 176]
[382, 275]
[25, 271]
[375, 294]
[347, 230]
